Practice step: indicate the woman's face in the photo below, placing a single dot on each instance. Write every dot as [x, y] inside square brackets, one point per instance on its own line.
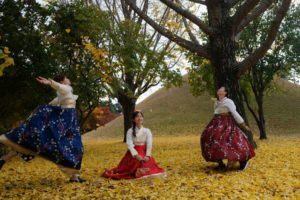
[221, 92]
[66, 81]
[139, 119]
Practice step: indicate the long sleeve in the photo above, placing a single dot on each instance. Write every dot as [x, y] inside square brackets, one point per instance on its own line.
[149, 143]
[54, 102]
[130, 144]
[61, 88]
[232, 108]
[215, 105]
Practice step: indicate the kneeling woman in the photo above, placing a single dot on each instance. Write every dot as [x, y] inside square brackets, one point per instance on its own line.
[137, 162]
[222, 139]
[52, 131]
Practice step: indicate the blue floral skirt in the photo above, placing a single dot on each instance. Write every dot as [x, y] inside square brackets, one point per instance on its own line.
[53, 133]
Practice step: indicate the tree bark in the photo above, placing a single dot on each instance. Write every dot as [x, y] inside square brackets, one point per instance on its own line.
[128, 105]
[223, 50]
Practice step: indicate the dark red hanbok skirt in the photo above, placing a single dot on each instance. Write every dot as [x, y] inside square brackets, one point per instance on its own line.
[222, 139]
[131, 168]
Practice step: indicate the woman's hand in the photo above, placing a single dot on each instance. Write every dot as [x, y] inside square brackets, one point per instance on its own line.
[44, 81]
[146, 159]
[247, 128]
[138, 157]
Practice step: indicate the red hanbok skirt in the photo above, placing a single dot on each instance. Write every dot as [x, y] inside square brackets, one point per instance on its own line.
[222, 139]
[131, 168]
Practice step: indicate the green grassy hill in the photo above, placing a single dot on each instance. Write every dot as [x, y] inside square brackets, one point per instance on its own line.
[176, 112]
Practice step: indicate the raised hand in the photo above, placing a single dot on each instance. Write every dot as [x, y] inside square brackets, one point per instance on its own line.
[42, 80]
[247, 128]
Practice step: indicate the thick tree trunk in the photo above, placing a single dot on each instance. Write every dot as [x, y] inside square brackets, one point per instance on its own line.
[223, 49]
[128, 105]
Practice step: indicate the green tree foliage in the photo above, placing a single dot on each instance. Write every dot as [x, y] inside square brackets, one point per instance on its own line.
[20, 26]
[282, 60]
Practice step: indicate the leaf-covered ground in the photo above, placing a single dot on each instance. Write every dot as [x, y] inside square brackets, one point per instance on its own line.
[273, 174]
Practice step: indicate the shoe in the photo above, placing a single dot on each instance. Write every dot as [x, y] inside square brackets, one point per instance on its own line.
[243, 165]
[78, 180]
[27, 158]
[220, 166]
[2, 162]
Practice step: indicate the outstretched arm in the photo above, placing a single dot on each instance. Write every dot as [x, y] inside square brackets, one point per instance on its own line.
[43, 80]
[61, 88]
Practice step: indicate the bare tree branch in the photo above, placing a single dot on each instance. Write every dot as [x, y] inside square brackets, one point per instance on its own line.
[196, 48]
[264, 5]
[145, 8]
[115, 13]
[175, 63]
[125, 9]
[185, 13]
[192, 36]
[234, 2]
[162, 19]
[243, 66]
[242, 12]
[203, 2]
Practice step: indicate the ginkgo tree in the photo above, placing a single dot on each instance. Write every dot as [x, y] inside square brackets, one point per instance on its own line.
[226, 21]
[139, 58]
[72, 29]
[5, 60]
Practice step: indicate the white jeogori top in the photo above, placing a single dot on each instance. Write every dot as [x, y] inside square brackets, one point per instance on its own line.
[143, 137]
[227, 105]
[65, 96]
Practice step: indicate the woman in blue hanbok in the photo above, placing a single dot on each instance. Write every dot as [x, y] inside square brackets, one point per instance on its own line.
[52, 131]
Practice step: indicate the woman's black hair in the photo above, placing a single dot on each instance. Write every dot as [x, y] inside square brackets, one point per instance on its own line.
[60, 77]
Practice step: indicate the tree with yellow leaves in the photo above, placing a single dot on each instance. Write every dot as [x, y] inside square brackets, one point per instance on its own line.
[73, 30]
[5, 59]
[138, 58]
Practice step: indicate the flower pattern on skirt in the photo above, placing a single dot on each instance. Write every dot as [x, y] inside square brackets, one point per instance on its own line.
[53, 133]
[222, 139]
[131, 168]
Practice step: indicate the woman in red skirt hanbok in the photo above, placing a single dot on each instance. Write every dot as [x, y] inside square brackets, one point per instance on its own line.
[222, 139]
[137, 162]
